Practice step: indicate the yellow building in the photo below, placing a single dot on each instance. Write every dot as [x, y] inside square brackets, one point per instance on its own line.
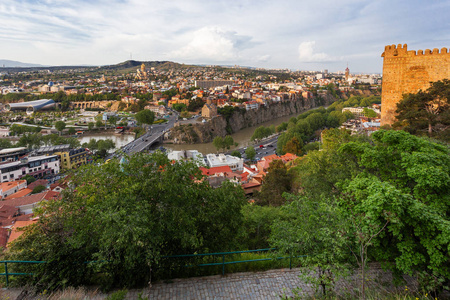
[72, 159]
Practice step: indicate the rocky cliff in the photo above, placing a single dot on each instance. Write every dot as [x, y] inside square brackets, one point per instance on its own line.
[240, 119]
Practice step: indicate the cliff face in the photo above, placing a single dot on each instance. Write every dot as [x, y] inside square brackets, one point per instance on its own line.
[206, 132]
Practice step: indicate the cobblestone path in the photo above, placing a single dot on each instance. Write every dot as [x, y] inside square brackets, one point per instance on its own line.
[271, 284]
[260, 285]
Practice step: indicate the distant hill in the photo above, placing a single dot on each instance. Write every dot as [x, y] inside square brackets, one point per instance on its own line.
[4, 63]
[132, 65]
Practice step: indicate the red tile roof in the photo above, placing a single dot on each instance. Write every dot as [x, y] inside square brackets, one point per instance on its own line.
[215, 170]
[21, 193]
[16, 202]
[6, 186]
[3, 237]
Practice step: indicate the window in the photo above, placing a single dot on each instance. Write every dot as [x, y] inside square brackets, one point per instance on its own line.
[5, 177]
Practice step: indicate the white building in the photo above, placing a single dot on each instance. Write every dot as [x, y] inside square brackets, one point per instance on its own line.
[251, 105]
[36, 166]
[359, 111]
[188, 154]
[221, 160]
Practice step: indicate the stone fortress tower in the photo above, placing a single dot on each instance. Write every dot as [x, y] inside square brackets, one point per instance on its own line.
[408, 72]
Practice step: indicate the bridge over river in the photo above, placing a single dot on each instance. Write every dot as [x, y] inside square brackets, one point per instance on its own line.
[155, 134]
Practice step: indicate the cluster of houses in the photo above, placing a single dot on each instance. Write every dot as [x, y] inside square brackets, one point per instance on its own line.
[221, 167]
[18, 200]
[362, 124]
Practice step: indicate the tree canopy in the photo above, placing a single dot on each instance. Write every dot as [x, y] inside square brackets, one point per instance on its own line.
[426, 111]
[121, 216]
[394, 193]
[145, 117]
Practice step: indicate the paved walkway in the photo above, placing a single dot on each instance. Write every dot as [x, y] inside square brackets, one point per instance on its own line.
[259, 285]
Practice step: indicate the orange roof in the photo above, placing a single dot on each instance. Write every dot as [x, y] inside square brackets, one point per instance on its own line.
[21, 193]
[250, 185]
[288, 157]
[215, 170]
[3, 237]
[6, 186]
[16, 202]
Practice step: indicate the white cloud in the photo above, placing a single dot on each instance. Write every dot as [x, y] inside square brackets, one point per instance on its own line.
[263, 58]
[306, 53]
[212, 43]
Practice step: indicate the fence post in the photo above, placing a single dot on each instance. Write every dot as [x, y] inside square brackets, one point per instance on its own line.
[290, 261]
[223, 264]
[6, 273]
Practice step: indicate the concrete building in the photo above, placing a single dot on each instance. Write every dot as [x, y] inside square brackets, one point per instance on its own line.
[37, 166]
[72, 159]
[207, 84]
[186, 154]
[251, 105]
[221, 160]
[209, 110]
[12, 154]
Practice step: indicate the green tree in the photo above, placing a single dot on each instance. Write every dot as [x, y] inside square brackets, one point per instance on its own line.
[218, 143]
[250, 153]
[71, 131]
[179, 107]
[394, 191]
[38, 189]
[99, 123]
[29, 178]
[228, 141]
[123, 217]
[113, 120]
[369, 113]
[5, 143]
[60, 126]
[91, 125]
[276, 182]
[294, 146]
[426, 111]
[145, 117]
[312, 229]
[236, 153]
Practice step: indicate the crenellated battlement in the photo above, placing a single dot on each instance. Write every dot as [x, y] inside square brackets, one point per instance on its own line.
[407, 71]
[401, 51]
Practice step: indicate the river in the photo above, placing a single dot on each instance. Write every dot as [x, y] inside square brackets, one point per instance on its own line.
[119, 139]
[242, 138]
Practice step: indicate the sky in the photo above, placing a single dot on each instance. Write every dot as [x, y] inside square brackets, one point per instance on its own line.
[293, 34]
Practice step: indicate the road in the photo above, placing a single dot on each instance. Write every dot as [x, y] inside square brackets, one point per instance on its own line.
[153, 133]
[269, 148]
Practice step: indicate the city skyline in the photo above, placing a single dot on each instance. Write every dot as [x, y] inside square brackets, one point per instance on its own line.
[298, 35]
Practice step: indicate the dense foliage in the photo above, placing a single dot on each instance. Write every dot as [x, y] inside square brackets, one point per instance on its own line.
[426, 112]
[393, 193]
[126, 217]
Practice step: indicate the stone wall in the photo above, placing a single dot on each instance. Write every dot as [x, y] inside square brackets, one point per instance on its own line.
[408, 72]
[206, 132]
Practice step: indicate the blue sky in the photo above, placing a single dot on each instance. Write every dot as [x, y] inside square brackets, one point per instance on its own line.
[295, 34]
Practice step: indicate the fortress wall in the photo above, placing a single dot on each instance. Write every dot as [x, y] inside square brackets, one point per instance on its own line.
[408, 72]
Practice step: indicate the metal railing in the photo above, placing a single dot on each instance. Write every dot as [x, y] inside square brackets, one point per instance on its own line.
[7, 274]
[223, 263]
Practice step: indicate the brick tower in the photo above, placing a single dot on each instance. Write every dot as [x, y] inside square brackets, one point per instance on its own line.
[408, 72]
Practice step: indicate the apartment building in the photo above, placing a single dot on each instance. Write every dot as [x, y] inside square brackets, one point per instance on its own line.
[37, 166]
